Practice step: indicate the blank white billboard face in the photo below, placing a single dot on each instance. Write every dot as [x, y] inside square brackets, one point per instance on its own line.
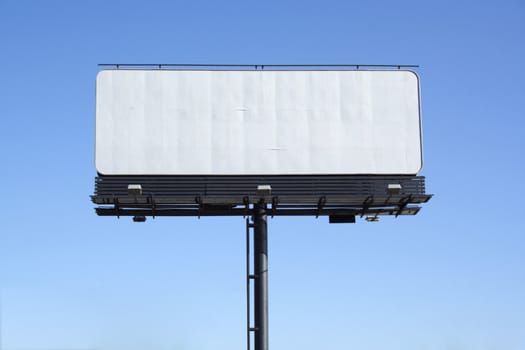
[183, 122]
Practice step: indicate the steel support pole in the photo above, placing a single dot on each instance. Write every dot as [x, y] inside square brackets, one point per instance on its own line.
[260, 250]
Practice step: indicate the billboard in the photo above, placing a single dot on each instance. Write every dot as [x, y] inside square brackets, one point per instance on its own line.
[257, 122]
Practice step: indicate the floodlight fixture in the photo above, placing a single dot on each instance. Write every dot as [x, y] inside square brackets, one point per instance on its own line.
[372, 218]
[264, 190]
[341, 219]
[394, 189]
[134, 189]
[139, 218]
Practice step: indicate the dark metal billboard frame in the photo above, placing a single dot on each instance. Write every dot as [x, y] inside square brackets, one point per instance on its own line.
[224, 195]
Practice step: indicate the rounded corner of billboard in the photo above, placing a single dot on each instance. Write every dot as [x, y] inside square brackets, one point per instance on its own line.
[414, 73]
[102, 72]
[100, 170]
[419, 168]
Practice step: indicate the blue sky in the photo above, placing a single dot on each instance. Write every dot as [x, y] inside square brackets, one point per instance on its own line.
[452, 277]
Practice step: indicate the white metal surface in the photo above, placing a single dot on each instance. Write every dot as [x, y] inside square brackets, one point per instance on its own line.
[183, 122]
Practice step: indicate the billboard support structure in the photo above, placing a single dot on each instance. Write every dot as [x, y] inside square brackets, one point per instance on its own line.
[337, 140]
